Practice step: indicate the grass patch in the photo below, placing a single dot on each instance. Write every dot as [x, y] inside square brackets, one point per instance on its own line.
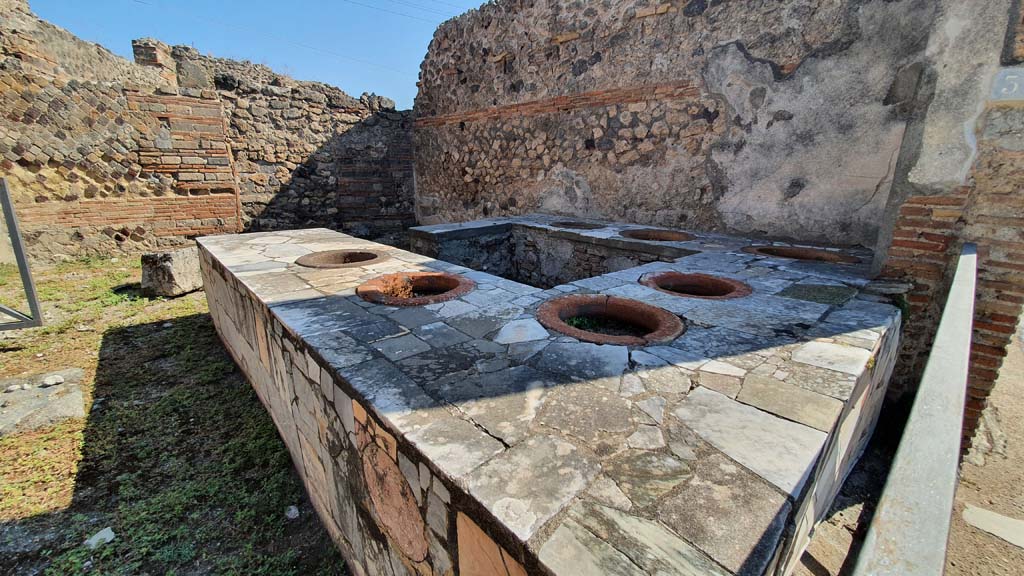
[603, 325]
[176, 455]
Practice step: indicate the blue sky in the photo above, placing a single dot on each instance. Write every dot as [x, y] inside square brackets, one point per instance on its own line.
[357, 45]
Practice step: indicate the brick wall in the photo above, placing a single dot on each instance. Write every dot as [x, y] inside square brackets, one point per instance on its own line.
[89, 165]
[929, 234]
[104, 155]
[308, 154]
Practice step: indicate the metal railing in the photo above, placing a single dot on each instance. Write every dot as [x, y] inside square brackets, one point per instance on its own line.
[910, 529]
[20, 319]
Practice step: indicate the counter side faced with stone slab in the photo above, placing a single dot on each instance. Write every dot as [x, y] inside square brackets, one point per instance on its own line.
[464, 435]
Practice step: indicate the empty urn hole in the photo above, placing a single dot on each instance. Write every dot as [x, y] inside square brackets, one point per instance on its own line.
[339, 258]
[697, 285]
[657, 235]
[609, 320]
[414, 288]
[797, 253]
[577, 225]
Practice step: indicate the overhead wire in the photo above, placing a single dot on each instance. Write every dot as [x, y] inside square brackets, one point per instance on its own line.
[156, 3]
[446, 14]
[395, 12]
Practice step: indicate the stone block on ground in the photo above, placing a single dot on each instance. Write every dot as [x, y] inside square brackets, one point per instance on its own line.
[171, 273]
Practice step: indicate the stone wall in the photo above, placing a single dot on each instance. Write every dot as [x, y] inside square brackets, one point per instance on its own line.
[104, 155]
[761, 118]
[959, 180]
[539, 256]
[871, 123]
[94, 168]
[307, 153]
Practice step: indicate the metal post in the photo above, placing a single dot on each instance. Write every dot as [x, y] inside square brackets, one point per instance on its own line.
[35, 317]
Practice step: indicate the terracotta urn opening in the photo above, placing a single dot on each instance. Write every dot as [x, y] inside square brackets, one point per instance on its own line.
[577, 225]
[797, 253]
[696, 285]
[414, 288]
[340, 259]
[609, 320]
[656, 235]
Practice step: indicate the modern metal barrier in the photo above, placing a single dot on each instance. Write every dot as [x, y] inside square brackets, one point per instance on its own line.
[909, 531]
[11, 319]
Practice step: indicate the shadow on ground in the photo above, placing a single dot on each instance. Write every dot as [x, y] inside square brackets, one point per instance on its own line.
[182, 462]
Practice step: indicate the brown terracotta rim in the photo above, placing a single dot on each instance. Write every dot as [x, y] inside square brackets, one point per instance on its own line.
[340, 258]
[657, 235]
[573, 224]
[703, 286]
[798, 253]
[441, 285]
[658, 325]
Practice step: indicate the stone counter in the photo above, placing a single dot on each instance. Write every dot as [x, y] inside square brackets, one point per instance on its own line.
[464, 437]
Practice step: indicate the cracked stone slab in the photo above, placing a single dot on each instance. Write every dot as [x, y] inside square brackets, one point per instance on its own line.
[645, 476]
[401, 347]
[847, 359]
[646, 437]
[414, 317]
[338, 349]
[480, 323]
[591, 413]
[505, 402]
[439, 335]
[453, 444]
[527, 485]
[820, 293]
[779, 451]
[583, 360]
[598, 540]
[747, 515]
[323, 314]
[823, 381]
[431, 366]
[524, 330]
[790, 402]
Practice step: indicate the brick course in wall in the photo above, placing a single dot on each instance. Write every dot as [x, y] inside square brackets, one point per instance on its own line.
[928, 236]
[692, 115]
[89, 165]
[105, 155]
[613, 96]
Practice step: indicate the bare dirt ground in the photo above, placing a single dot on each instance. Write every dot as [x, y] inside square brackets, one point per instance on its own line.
[998, 484]
[992, 477]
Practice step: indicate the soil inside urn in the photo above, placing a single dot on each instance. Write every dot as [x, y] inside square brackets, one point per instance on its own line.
[607, 325]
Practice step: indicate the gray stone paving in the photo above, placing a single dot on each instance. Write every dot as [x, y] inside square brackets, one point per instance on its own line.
[682, 458]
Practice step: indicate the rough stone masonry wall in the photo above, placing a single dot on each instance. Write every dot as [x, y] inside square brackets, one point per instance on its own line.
[306, 153]
[782, 119]
[97, 158]
[938, 208]
[105, 155]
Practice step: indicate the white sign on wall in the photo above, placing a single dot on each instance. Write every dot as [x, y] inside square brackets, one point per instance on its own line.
[1009, 84]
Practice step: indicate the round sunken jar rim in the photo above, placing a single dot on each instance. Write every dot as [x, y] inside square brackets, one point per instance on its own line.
[373, 290]
[802, 253]
[657, 235]
[661, 281]
[322, 259]
[577, 225]
[661, 325]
